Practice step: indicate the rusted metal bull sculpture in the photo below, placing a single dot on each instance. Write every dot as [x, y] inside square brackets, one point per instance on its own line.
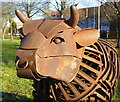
[65, 61]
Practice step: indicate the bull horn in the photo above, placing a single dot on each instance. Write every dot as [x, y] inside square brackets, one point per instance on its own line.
[21, 16]
[74, 16]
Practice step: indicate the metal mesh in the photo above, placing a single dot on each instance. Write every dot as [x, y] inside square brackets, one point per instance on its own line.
[96, 79]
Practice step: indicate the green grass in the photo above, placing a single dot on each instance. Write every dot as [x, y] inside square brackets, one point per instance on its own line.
[8, 52]
[14, 89]
[116, 97]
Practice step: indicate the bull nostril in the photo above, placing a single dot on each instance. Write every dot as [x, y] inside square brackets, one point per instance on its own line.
[21, 65]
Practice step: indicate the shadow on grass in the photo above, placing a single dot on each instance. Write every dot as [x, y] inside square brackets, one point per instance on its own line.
[9, 97]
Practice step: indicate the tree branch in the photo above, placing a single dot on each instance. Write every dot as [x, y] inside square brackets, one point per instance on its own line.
[108, 17]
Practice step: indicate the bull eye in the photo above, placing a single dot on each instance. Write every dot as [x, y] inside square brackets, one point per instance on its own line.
[58, 40]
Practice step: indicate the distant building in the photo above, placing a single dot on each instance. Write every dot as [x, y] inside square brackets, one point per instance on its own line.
[108, 28]
[88, 18]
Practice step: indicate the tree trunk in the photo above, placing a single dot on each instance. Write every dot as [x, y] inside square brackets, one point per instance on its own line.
[118, 32]
[63, 6]
[11, 35]
[3, 33]
[113, 29]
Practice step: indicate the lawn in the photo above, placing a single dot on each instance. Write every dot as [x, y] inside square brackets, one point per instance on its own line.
[16, 89]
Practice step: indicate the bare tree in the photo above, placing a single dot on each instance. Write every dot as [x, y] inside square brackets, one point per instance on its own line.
[33, 8]
[115, 18]
[7, 16]
[43, 7]
[60, 6]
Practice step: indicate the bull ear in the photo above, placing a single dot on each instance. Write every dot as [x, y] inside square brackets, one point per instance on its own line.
[86, 37]
[21, 16]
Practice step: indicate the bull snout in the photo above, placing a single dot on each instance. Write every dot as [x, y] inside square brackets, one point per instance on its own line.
[23, 58]
[21, 64]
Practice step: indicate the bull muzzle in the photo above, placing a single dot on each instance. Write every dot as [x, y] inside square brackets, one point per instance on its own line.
[25, 64]
[21, 64]
[30, 65]
[24, 58]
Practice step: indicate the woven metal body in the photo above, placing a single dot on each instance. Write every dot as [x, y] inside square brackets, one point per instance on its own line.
[96, 80]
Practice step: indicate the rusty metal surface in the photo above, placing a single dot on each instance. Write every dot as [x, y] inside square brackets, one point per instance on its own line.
[61, 68]
[79, 66]
[21, 16]
[74, 18]
[31, 41]
[96, 79]
[34, 27]
[86, 37]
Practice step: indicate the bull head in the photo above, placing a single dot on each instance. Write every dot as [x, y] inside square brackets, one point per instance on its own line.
[52, 47]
